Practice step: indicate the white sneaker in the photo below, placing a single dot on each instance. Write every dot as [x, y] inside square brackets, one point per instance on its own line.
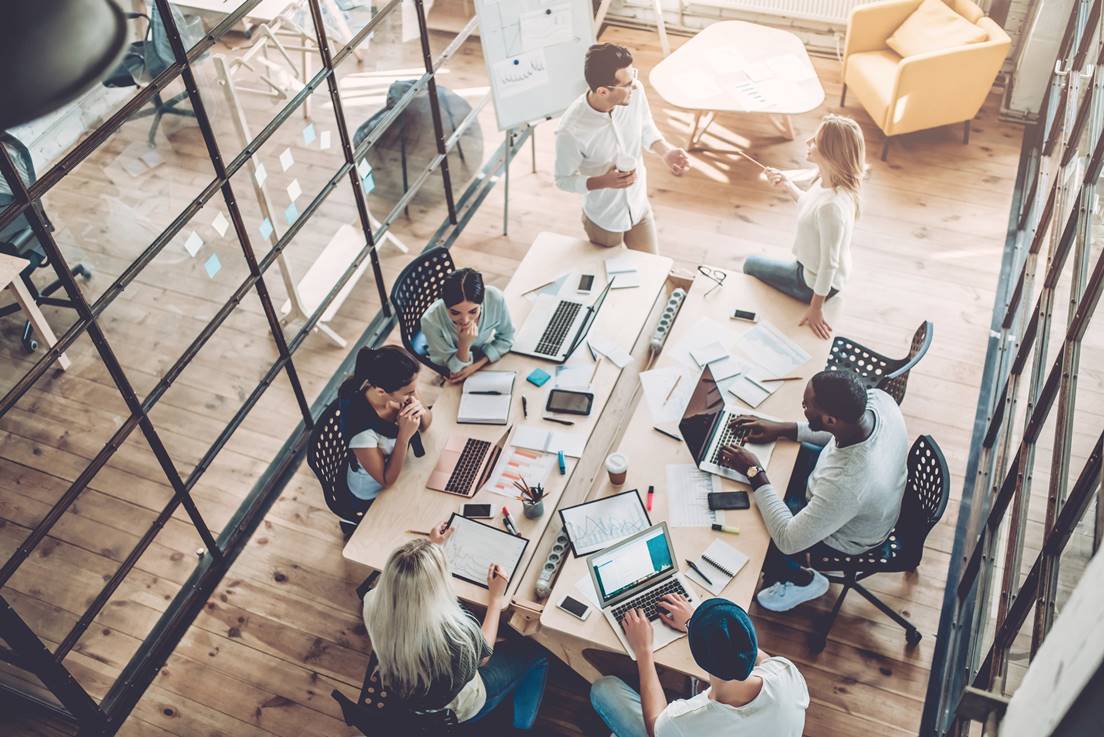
[785, 595]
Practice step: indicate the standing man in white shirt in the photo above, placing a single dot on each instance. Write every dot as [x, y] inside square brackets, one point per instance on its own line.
[599, 151]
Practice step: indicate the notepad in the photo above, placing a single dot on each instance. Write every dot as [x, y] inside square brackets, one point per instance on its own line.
[720, 562]
[622, 269]
[549, 441]
[709, 353]
[486, 398]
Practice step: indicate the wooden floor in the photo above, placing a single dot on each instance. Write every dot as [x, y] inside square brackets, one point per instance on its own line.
[284, 628]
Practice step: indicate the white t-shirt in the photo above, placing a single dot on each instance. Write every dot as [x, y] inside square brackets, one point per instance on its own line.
[361, 483]
[778, 710]
[822, 241]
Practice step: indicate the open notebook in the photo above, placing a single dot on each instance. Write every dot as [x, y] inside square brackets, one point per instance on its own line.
[486, 398]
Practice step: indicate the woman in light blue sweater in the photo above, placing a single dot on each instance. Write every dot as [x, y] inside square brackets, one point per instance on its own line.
[468, 327]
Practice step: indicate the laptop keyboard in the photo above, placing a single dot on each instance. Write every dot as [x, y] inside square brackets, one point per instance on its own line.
[647, 601]
[729, 436]
[467, 466]
[553, 337]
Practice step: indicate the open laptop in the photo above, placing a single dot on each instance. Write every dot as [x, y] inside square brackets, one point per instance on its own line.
[555, 327]
[465, 464]
[634, 574]
[706, 428]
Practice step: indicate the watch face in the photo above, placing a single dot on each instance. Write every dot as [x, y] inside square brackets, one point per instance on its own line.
[752, 472]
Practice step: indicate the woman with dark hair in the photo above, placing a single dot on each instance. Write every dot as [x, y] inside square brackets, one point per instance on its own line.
[380, 414]
[468, 327]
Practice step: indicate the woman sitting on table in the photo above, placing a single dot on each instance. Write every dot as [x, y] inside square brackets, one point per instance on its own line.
[433, 654]
[468, 327]
[380, 413]
[826, 214]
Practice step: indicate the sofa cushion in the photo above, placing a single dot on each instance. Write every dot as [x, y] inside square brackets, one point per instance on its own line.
[870, 76]
[933, 27]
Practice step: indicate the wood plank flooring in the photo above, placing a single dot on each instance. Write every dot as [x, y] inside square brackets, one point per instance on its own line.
[284, 628]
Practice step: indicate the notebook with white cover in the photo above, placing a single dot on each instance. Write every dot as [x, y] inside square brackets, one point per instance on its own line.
[486, 398]
[622, 269]
[720, 562]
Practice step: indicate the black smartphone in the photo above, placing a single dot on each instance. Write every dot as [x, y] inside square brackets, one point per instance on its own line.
[574, 607]
[570, 402]
[745, 315]
[729, 500]
[586, 282]
[477, 511]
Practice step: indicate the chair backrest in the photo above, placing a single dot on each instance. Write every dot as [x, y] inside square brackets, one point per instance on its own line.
[328, 457]
[378, 710]
[926, 493]
[849, 355]
[417, 287]
[895, 383]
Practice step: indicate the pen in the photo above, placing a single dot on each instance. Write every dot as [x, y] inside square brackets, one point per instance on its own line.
[417, 532]
[741, 153]
[562, 461]
[557, 419]
[508, 523]
[597, 363]
[524, 407]
[593, 355]
[651, 493]
[785, 378]
[726, 528]
[699, 571]
[661, 431]
[673, 387]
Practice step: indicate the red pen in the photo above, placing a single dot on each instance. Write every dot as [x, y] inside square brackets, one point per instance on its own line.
[651, 493]
[509, 523]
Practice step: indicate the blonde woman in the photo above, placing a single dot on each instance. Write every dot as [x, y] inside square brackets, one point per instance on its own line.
[826, 215]
[433, 654]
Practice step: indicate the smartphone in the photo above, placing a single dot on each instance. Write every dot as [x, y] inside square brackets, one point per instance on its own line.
[586, 283]
[570, 402]
[729, 500]
[745, 315]
[477, 511]
[575, 608]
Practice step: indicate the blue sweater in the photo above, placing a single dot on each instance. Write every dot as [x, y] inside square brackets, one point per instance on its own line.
[494, 339]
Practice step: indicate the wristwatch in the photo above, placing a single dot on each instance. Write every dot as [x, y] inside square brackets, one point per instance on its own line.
[753, 471]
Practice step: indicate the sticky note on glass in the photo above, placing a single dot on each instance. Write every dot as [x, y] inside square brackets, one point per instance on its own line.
[212, 265]
[220, 223]
[260, 174]
[294, 190]
[324, 140]
[286, 159]
[369, 182]
[193, 244]
[308, 134]
[291, 214]
[266, 228]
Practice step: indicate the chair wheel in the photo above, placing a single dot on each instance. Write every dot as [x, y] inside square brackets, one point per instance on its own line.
[30, 345]
[86, 273]
[912, 637]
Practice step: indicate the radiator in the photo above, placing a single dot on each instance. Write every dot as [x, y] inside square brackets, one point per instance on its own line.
[825, 11]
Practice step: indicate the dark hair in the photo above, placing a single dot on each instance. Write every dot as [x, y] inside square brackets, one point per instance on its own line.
[390, 368]
[602, 63]
[462, 285]
[840, 394]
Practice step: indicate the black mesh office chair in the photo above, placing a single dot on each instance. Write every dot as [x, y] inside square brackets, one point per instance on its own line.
[888, 374]
[147, 58]
[378, 711]
[925, 499]
[328, 457]
[417, 287]
[18, 239]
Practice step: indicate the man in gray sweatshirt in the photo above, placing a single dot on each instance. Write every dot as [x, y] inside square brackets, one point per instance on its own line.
[844, 495]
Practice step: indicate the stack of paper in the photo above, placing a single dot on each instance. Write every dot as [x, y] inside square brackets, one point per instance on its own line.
[622, 269]
[486, 398]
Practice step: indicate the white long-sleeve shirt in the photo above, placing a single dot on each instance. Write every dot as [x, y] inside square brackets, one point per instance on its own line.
[822, 243]
[587, 145]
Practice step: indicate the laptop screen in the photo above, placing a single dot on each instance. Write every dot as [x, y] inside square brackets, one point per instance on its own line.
[697, 419]
[627, 564]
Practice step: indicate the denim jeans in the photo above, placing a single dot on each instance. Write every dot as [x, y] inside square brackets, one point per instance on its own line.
[619, 706]
[518, 667]
[787, 277]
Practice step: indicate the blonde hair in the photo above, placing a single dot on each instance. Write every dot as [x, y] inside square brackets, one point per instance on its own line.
[839, 140]
[415, 622]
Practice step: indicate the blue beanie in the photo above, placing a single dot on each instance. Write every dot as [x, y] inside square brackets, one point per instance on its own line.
[722, 639]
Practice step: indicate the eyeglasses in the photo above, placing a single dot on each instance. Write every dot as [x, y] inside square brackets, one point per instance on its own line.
[715, 275]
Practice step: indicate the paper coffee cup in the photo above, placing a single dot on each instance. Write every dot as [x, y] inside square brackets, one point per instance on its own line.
[618, 468]
[625, 162]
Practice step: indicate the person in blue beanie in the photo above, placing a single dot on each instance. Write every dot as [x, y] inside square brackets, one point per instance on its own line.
[750, 693]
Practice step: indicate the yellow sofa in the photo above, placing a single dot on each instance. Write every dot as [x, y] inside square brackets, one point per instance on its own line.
[905, 94]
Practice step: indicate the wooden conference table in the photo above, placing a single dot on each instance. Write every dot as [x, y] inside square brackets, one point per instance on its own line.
[409, 505]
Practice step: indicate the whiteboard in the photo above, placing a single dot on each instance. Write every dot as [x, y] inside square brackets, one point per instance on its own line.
[534, 51]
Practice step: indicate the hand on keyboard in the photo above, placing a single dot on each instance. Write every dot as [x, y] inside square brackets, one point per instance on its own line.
[675, 611]
[638, 631]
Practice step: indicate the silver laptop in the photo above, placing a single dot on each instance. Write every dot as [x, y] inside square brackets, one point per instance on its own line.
[637, 573]
[555, 327]
[706, 428]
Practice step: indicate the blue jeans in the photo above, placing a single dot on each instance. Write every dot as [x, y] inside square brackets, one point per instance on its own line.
[787, 277]
[519, 667]
[619, 706]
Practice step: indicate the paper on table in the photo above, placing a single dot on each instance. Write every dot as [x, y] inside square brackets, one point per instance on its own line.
[701, 333]
[473, 547]
[584, 587]
[724, 563]
[687, 500]
[708, 353]
[757, 71]
[574, 376]
[552, 287]
[519, 464]
[610, 350]
[768, 353]
[726, 368]
[532, 437]
[626, 280]
[750, 391]
[622, 269]
[657, 384]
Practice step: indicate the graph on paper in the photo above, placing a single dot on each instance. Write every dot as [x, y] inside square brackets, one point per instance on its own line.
[473, 547]
[595, 525]
[688, 492]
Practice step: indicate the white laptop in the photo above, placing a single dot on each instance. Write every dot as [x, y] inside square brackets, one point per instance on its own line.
[636, 573]
[555, 327]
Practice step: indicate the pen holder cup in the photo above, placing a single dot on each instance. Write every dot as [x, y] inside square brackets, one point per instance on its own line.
[532, 510]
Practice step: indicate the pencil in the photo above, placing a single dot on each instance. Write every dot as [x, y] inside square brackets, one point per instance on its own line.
[417, 532]
[785, 378]
[761, 166]
[597, 363]
[673, 387]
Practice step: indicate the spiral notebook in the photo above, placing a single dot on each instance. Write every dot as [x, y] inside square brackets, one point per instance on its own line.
[720, 562]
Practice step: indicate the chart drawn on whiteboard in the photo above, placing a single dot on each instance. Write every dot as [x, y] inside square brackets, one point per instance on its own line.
[473, 547]
[595, 525]
[546, 27]
[521, 73]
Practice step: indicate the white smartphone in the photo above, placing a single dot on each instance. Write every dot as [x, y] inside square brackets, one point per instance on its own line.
[586, 283]
[575, 608]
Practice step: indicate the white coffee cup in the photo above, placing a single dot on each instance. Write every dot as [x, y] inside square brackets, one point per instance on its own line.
[625, 163]
[617, 465]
